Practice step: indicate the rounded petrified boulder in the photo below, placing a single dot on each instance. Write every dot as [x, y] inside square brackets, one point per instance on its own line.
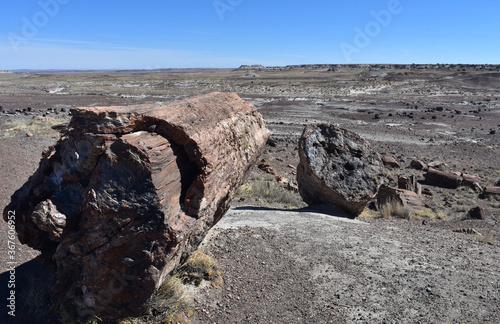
[339, 167]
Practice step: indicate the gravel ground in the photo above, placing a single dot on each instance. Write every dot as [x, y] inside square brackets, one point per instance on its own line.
[309, 267]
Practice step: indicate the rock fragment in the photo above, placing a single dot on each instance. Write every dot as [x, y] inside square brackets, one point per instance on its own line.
[410, 183]
[477, 213]
[338, 167]
[266, 167]
[390, 161]
[418, 165]
[408, 199]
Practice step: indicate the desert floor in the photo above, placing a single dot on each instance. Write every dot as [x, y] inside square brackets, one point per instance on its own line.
[283, 262]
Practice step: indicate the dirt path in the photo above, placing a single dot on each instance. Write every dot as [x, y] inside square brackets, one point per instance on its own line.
[308, 267]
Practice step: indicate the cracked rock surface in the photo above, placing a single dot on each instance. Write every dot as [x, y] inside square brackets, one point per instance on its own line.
[337, 166]
[128, 193]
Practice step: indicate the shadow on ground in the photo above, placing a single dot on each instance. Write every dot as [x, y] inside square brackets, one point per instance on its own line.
[326, 209]
[24, 280]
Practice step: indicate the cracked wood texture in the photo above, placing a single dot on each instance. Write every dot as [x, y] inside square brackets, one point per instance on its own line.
[128, 193]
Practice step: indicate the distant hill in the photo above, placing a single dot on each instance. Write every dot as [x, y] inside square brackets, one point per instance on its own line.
[371, 67]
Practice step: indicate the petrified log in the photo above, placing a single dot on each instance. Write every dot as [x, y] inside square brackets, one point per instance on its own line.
[491, 191]
[443, 178]
[390, 161]
[472, 181]
[129, 192]
[410, 183]
[337, 166]
[418, 165]
[408, 199]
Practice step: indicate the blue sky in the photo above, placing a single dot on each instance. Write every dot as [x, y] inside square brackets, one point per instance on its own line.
[90, 34]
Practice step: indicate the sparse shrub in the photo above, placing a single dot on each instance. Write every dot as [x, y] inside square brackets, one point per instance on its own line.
[199, 267]
[485, 239]
[424, 213]
[370, 213]
[172, 303]
[461, 208]
[394, 208]
[169, 301]
[38, 125]
[267, 189]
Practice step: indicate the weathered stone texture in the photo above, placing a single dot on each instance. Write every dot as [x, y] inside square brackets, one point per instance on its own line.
[443, 178]
[129, 192]
[337, 166]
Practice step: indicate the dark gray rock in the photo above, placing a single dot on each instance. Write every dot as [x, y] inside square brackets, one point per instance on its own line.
[339, 167]
[477, 213]
[418, 165]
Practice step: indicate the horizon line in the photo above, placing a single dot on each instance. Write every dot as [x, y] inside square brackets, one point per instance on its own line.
[243, 65]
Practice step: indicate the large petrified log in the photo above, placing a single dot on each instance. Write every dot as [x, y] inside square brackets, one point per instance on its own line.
[129, 192]
[443, 178]
[337, 166]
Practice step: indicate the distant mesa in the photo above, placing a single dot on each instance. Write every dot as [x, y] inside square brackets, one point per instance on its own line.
[255, 67]
[370, 67]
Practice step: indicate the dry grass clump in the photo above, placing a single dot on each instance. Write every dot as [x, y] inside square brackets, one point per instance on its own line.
[394, 208]
[485, 239]
[370, 213]
[37, 125]
[428, 214]
[172, 302]
[267, 189]
[167, 305]
[200, 267]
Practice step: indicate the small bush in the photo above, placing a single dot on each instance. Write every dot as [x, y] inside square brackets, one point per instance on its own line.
[199, 267]
[267, 189]
[485, 239]
[171, 303]
[394, 208]
[370, 213]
